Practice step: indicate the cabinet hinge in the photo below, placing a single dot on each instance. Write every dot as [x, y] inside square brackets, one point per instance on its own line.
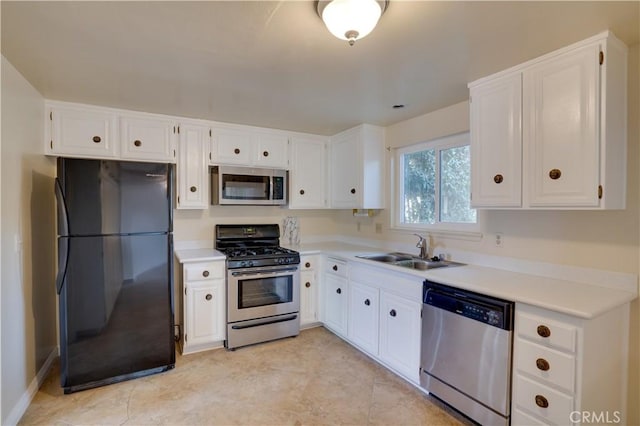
[209, 156]
[185, 337]
[51, 115]
[185, 291]
[600, 192]
[174, 152]
[51, 144]
[178, 199]
[178, 129]
[209, 132]
[174, 129]
[601, 57]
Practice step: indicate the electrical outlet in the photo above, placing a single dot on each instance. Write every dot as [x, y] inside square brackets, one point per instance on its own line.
[378, 228]
[499, 240]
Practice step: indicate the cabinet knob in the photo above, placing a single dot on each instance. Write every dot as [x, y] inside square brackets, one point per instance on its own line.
[193, 189]
[353, 190]
[498, 178]
[137, 142]
[555, 174]
[393, 313]
[542, 364]
[307, 265]
[339, 291]
[208, 297]
[236, 151]
[205, 274]
[541, 401]
[302, 192]
[335, 267]
[543, 331]
[97, 139]
[307, 284]
[265, 153]
[367, 302]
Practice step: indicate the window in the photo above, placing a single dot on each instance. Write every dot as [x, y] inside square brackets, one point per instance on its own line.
[434, 184]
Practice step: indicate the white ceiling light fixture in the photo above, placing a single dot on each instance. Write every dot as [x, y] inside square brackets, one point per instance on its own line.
[351, 20]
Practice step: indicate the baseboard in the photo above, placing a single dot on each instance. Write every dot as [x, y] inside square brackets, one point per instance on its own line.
[23, 403]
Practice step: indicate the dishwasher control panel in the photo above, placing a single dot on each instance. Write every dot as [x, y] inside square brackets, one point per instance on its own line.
[488, 310]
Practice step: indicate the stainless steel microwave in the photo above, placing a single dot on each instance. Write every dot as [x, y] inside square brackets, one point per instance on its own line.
[248, 186]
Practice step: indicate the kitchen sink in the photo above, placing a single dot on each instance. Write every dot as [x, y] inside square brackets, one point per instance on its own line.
[408, 261]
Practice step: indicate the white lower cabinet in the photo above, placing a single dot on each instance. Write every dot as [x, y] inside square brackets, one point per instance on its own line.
[204, 306]
[400, 328]
[564, 367]
[363, 316]
[309, 290]
[335, 296]
[381, 315]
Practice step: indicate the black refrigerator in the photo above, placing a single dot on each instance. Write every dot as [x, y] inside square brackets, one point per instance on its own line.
[115, 271]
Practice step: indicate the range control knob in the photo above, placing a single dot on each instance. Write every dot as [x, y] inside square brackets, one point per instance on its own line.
[493, 317]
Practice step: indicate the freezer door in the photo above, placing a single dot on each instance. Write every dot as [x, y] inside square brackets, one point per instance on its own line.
[113, 197]
[116, 308]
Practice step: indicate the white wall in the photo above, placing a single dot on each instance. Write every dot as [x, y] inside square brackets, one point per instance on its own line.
[27, 296]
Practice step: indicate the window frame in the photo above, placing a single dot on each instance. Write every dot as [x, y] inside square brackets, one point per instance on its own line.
[456, 229]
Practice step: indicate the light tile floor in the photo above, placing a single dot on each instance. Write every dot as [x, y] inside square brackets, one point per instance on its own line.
[313, 379]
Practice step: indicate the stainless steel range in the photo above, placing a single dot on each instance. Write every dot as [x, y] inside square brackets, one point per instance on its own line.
[263, 284]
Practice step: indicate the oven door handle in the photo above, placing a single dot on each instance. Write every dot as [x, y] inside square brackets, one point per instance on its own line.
[270, 272]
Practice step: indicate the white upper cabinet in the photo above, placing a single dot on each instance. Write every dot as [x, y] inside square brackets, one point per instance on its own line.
[147, 138]
[81, 131]
[308, 174]
[271, 150]
[571, 143]
[249, 146]
[232, 145]
[357, 168]
[496, 143]
[193, 166]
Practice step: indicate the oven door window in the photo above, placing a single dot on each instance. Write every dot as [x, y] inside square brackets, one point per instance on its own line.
[265, 291]
[245, 187]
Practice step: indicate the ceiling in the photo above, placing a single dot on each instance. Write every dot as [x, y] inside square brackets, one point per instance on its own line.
[274, 64]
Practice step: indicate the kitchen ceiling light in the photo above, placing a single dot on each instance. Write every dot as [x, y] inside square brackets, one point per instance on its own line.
[351, 20]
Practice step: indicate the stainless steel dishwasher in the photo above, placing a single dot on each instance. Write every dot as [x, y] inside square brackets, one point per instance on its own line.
[466, 351]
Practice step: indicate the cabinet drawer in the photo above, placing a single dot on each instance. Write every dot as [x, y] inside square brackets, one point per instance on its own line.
[532, 397]
[204, 271]
[546, 364]
[546, 332]
[308, 263]
[336, 266]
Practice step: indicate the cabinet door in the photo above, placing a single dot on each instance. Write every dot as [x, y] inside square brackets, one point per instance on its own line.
[79, 132]
[400, 334]
[193, 168]
[335, 303]
[272, 150]
[232, 146]
[363, 316]
[204, 312]
[308, 175]
[496, 143]
[308, 298]
[345, 171]
[561, 129]
[147, 139]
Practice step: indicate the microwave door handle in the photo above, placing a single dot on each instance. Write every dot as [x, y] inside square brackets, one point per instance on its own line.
[271, 181]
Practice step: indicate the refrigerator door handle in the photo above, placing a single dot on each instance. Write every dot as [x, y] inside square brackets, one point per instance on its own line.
[63, 257]
[63, 216]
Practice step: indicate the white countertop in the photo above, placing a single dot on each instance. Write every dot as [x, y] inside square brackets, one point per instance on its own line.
[198, 255]
[574, 298]
[569, 297]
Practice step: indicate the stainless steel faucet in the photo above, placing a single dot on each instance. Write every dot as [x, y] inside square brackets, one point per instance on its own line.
[422, 245]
